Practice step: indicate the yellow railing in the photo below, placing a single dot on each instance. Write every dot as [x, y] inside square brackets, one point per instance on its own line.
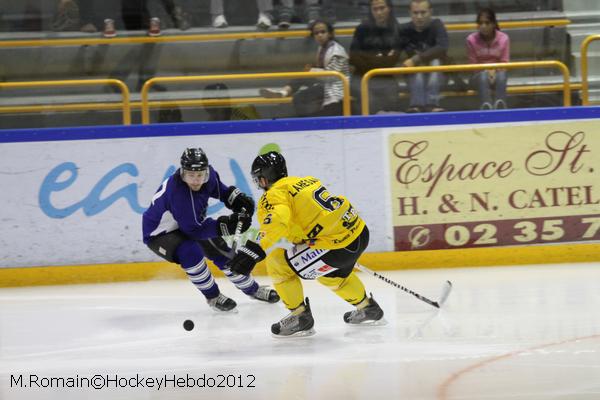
[237, 77]
[137, 105]
[585, 88]
[133, 105]
[245, 35]
[461, 68]
[125, 104]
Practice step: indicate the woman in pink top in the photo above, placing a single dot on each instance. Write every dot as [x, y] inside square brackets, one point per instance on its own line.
[489, 45]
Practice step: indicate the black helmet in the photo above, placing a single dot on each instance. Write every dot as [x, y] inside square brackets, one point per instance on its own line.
[270, 165]
[194, 159]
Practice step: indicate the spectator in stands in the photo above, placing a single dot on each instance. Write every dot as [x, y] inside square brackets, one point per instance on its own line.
[376, 44]
[228, 112]
[489, 45]
[425, 41]
[136, 15]
[331, 56]
[93, 19]
[95, 16]
[312, 11]
[67, 16]
[265, 9]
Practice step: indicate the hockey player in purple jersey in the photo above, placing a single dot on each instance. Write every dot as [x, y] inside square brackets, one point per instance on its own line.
[176, 228]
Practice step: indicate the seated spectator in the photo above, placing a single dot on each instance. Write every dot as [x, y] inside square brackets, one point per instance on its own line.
[265, 8]
[312, 11]
[67, 16]
[106, 16]
[425, 41]
[228, 112]
[376, 44]
[331, 56]
[136, 15]
[489, 45]
[82, 15]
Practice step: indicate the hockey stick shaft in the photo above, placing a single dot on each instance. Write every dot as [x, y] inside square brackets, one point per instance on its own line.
[238, 232]
[236, 239]
[397, 285]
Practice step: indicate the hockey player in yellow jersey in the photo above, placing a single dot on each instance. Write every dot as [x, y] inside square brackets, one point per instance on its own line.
[328, 237]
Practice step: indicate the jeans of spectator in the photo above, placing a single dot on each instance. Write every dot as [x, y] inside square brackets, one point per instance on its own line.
[383, 94]
[286, 10]
[425, 88]
[217, 6]
[480, 82]
[95, 13]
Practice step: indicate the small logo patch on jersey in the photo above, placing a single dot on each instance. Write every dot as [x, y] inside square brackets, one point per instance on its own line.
[325, 268]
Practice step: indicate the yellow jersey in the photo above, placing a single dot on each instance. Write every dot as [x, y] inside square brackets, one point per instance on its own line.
[303, 211]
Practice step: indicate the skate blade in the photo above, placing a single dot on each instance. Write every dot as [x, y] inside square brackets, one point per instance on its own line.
[379, 322]
[221, 312]
[300, 334]
[263, 301]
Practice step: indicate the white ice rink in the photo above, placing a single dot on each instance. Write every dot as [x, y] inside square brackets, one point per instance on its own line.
[505, 333]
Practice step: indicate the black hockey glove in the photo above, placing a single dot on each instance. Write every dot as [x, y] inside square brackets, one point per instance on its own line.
[226, 224]
[246, 258]
[236, 201]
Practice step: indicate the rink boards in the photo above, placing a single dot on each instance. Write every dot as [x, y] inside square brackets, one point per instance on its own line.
[470, 188]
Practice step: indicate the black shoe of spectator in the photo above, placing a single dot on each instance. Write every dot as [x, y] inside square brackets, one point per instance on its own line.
[284, 24]
[285, 17]
[181, 19]
[458, 83]
[500, 105]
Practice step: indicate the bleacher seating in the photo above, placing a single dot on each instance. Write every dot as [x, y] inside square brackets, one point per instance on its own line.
[135, 63]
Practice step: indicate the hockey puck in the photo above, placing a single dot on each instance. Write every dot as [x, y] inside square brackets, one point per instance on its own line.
[188, 324]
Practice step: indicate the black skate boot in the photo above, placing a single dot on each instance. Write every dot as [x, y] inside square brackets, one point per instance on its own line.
[371, 314]
[222, 303]
[297, 323]
[265, 293]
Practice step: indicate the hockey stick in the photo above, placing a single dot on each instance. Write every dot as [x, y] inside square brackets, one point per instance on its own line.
[236, 239]
[238, 232]
[437, 304]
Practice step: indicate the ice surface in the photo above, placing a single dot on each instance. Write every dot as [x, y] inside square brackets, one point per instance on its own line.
[505, 333]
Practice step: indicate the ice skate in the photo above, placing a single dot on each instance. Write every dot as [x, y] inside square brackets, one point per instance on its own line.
[222, 303]
[265, 293]
[371, 314]
[296, 324]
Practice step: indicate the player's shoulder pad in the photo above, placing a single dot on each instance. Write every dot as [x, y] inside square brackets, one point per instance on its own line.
[272, 198]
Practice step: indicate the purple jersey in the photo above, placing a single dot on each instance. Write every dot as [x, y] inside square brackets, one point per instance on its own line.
[176, 206]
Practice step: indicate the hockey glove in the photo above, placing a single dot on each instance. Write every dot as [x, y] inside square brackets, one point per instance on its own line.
[236, 201]
[226, 224]
[246, 258]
